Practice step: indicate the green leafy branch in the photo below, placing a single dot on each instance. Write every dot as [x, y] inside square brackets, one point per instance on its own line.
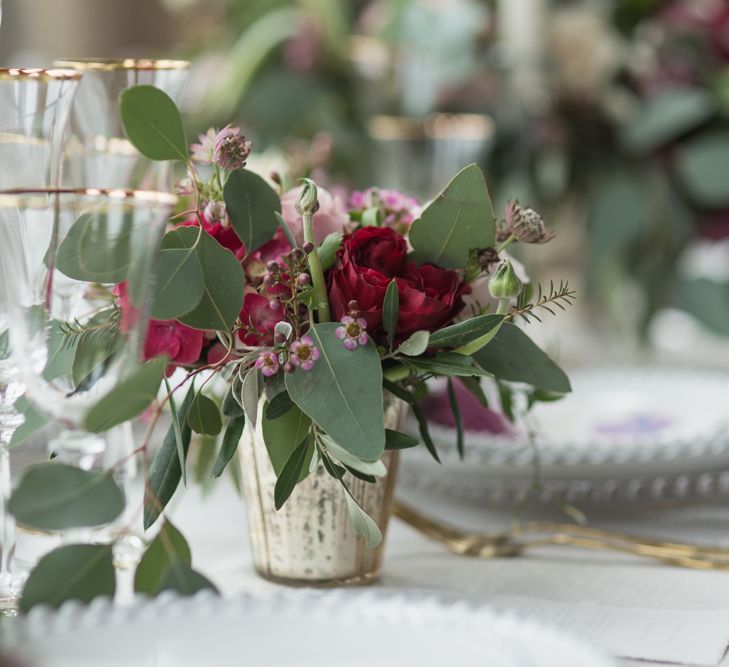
[560, 297]
[101, 328]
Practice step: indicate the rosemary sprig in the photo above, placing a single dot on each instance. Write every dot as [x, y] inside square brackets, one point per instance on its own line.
[100, 329]
[560, 298]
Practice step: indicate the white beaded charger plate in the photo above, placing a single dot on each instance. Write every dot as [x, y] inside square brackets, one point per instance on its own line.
[623, 435]
[334, 628]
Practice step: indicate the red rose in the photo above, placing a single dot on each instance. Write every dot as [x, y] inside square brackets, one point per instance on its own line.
[224, 234]
[180, 343]
[430, 297]
[259, 320]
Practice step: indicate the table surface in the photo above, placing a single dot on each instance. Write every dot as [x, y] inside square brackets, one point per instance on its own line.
[634, 609]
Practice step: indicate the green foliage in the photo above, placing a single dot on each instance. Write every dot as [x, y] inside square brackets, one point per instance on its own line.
[279, 405]
[513, 356]
[232, 407]
[128, 399]
[182, 579]
[363, 523]
[374, 468]
[708, 301]
[396, 440]
[468, 331]
[55, 496]
[703, 165]
[666, 117]
[223, 280]
[165, 471]
[283, 435]
[292, 471]
[204, 416]
[252, 205]
[415, 345]
[328, 250]
[456, 410]
[94, 344]
[448, 364]
[34, 421]
[424, 432]
[153, 123]
[179, 284]
[342, 393]
[457, 221]
[231, 439]
[167, 548]
[391, 312]
[74, 572]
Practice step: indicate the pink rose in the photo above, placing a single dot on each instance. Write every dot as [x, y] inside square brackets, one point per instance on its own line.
[331, 217]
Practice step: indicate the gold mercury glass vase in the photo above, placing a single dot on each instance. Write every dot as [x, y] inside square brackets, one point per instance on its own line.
[310, 541]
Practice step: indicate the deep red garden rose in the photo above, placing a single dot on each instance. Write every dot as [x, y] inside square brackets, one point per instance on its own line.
[369, 259]
[223, 233]
[258, 319]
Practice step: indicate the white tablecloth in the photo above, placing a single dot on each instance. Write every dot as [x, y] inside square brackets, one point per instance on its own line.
[628, 607]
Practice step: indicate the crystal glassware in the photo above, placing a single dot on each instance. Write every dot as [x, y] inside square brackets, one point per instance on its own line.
[98, 153]
[79, 266]
[34, 110]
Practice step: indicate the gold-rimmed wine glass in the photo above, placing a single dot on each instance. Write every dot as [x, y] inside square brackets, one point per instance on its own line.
[34, 110]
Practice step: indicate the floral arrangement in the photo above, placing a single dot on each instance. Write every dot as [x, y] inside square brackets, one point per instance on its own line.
[315, 314]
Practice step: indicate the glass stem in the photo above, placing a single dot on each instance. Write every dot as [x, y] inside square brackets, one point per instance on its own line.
[7, 521]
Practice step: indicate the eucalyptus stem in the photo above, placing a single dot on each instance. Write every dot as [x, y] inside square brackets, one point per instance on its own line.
[317, 273]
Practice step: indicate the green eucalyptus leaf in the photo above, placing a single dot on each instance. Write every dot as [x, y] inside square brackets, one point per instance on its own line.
[169, 546]
[4, 345]
[165, 471]
[514, 357]
[153, 123]
[97, 249]
[448, 364]
[128, 399]
[223, 280]
[457, 221]
[395, 440]
[73, 572]
[231, 439]
[250, 394]
[177, 428]
[703, 165]
[362, 522]
[204, 416]
[182, 579]
[328, 250]
[424, 431]
[55, 496]
[391, 311]
[456, 410]
[374, 468]
[415, 345]
[399, 391]
[179, 285]
[252, 205]
[292, 471]
[232, 407]
[279, 405]
[342, 393]
[34, 420]
[373, 217]
[468, 331]
[283, 435]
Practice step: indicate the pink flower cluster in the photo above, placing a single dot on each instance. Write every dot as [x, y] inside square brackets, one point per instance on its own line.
[400, 209]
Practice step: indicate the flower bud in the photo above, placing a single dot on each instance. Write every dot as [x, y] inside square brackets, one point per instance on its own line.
[303, 279]
[231, 149]
[308, 203]
[505, 284]
[526, 224]
[274, 304]
[308, 247]
[215, 211]
[185, 186]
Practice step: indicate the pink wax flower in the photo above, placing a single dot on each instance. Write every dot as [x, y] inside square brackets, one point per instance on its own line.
[259, 320]
[331, 217]
[267, 363]
[203, 150]
[304, 353]
[352, 332]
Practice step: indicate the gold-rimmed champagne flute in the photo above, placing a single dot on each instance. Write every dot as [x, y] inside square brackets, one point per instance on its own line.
[34, 110]
[98, 152]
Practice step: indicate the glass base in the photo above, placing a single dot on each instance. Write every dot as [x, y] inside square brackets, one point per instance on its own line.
[364, 579]
[11, 590]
